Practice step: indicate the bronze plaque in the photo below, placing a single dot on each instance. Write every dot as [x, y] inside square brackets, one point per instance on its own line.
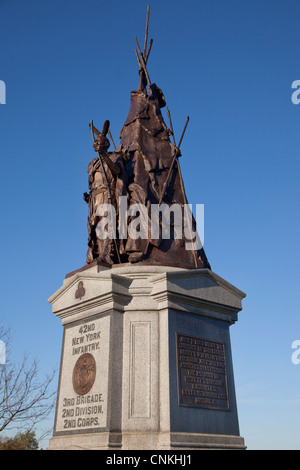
[201, 373]
[84, 374]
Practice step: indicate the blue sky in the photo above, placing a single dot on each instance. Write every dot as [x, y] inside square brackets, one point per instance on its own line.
[229, 65]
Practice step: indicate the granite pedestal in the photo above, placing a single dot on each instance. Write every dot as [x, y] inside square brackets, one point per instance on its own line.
[146, 360]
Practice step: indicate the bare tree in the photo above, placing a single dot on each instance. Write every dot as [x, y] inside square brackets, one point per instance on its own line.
[25, 398]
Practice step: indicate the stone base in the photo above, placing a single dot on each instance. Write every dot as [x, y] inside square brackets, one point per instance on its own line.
[146, 360]
[147, 441]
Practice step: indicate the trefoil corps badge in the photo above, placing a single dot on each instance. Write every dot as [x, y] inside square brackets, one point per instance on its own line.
[84, 374]
[80, 290]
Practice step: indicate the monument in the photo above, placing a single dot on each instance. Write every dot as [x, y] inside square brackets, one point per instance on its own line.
[146, 359]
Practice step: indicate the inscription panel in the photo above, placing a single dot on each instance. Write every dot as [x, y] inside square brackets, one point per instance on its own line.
[201, 373]
[83, 391]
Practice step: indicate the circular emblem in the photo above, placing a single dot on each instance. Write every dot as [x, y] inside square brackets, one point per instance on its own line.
[84, 374]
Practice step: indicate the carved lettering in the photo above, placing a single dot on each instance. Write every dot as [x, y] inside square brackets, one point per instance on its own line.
[83, 394]
[201, 371]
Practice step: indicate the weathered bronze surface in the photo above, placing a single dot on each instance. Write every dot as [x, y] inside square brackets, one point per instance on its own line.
[146, 170]
[84, 374]
[201, 373]
[107, 181]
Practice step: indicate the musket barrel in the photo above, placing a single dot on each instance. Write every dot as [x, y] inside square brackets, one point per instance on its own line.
[186, 123]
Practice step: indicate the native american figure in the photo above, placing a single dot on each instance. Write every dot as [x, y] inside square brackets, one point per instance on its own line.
[107, 181]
